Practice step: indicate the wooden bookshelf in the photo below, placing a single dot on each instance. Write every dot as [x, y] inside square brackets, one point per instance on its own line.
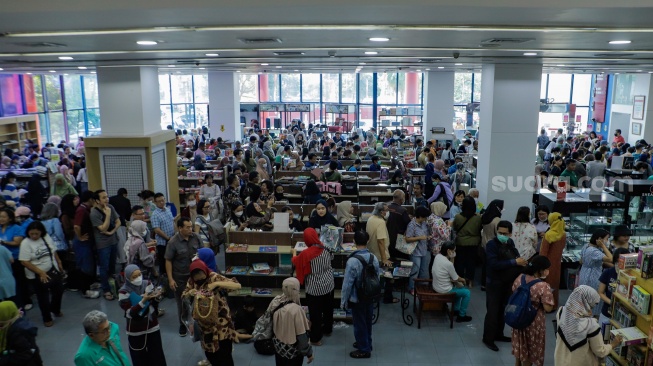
[15, 131]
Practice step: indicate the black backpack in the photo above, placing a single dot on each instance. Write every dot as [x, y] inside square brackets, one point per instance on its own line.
[370, 289]
[443, 195]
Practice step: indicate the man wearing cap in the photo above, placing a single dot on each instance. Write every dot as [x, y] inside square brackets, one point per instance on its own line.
[621, 239]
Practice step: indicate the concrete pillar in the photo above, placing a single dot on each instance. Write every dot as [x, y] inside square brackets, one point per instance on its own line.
[438, 101]
[129, 100]
[509, 120]
[224, 106]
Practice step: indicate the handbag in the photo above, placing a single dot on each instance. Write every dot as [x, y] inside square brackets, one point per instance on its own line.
[405, 247]
[53, 273]
[263, 332]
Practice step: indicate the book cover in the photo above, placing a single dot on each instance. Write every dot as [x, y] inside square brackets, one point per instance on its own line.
[263, 272]
[628, 260]
[401, 272]
[268, 249]
[243, 291]
[631, 335]
[640, 299]
[300, 246]
[237, 248]
[260, 267]
[237, 270]
[625, 283]
[348, 247]
[261, 291]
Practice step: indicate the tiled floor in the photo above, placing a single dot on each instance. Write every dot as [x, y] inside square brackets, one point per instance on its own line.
[395, 343]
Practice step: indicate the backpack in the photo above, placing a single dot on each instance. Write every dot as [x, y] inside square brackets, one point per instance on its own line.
[369, 290]
[263, 332]
[520, 312]
[443, 195]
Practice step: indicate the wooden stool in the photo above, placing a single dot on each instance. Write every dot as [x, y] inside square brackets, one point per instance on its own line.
[426, 295]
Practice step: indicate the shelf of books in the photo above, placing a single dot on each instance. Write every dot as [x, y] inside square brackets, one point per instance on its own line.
[631, 310]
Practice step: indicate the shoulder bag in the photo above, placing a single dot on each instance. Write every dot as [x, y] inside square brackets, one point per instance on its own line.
[53, 273]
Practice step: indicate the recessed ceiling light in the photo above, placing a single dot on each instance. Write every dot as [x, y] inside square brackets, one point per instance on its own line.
[82, 67]
[29, 73]
[379, 39]
[93, 72]
[371, 53]
[620, 42]
[171, 65]
[147, 43]
[65, 58]
[52, 71]
[561, 65]
[530, 53]
[278, 67]
[212, 54]
[440, 67]
[458, 64]
[264, 64]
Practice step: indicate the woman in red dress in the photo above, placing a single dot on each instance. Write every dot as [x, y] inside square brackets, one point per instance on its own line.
[553, 244]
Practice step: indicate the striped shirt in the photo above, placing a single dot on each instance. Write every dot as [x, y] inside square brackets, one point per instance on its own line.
[320, 281]
[162, 219]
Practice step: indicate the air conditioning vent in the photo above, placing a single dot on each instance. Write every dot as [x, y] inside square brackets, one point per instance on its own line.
[291, 53]
[610, 55]
[40, 44]
[501, 41]
[259, 40]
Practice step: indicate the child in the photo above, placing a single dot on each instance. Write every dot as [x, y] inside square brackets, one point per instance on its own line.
[607, 282]
[245, 319]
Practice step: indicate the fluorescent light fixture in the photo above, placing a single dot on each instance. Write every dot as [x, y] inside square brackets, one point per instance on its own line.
[237, 70]
[147, 43]
[650, 72]
[29, 73]
[65, 74]
[264, 64]
[561, 65]
[93, 72]
[1, 69]
[640, 70]
[278, 67]
[82, 67]
[171, 65]
[362, 63]
[427, 69]
[459, 64]
[212, 54]
[371, 53]
[419, 70]
[379, 39]
[65, 58]
[620, 42]
[52, 71]
[202, 68]
[530, 53]
[440, 67]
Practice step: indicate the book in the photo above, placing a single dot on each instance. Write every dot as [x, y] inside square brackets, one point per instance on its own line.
[625, 283]
[338, 273]
[243, 291]
[640, 299]
[268, 249]
[647, 264]
[263, 272]
[237, 270]
[635, 356]
[261, 291]
[631, 335]
[237, 248]
[628, 260]
[260, 267]
[401, 272]
[348, 247]
[283, 270]
[300, 246]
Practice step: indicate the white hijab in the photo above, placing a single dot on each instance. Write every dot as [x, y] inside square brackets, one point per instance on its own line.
[576, 323]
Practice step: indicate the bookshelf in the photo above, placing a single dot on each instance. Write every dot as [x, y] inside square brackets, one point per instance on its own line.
[15, 131]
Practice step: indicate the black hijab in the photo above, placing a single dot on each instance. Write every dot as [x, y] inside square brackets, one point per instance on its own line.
[493, 211]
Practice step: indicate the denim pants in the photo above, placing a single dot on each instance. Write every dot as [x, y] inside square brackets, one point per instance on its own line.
[420, 269]
[107, 261]
[462, 299]
[362, 318]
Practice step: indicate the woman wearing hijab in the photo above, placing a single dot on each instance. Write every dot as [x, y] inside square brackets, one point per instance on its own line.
[345, 217]
[17, 338]
[214, 319]
[489, 220]
[579, 341]
[440, 231]
[314, 271]
[140, 301]
[258, 217]
[321, 216]
[36, 193]
[312, 192]
[299, 164]
[61, 187]
[138, 248]
[262, 169]
[439, 168]
[552, 246]
[207, 256]
[290, 326]
[65, 171]
[467, 225]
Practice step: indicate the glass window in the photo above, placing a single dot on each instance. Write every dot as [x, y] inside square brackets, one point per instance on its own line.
[164, 89]
[330, 88]
[273, 88]
[365, 120]
[93, 118]
[559, 87]
[43, 127]
[623, 89]
[166, 116]
[75, 124]
[33, 93]
[582, 88]
[12, 101]
[201, 114]
[478, 79]
[348, 88]
[90, 91]
[201, 88]
[462, 88]
[53, 93]
[581, 117]
[57, 128]
[72, 85]
[410, 86]
[182, 88]
[543, 86]
[310, 87]
[290, 87]
[183, 116]
[365, 93]
[248, 88]
[386, 88]
[460, 117]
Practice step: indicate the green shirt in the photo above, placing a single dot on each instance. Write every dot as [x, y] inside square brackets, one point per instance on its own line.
[573, 178]
[92, 354]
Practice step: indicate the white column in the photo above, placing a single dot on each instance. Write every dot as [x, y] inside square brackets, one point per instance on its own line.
[438, 101]
[224, 106]
[129, 100]
[508, 130]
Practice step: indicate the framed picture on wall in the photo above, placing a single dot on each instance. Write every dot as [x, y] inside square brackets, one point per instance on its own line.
[639, 102]
[637, 128]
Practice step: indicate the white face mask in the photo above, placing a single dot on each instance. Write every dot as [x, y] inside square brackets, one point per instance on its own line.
[265, 166]
[387, 214]
[453, 255]
[192, 203]
[138, 281]
[239, 214]
[144, 233]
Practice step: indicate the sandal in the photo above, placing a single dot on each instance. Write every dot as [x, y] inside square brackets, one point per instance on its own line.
[48, 324]
[108, 296]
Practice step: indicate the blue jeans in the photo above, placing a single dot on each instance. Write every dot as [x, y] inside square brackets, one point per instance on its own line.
[420, 268]
[362, 318]
[107, 261]
[462, 300]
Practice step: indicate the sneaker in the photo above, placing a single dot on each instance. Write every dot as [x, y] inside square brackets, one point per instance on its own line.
[463, 319]
[359, 354]
[72, 289]
[183, 331]
[91, 294]
[28, 306]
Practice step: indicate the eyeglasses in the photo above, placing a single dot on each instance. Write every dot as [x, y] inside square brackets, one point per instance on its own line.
[104, 331]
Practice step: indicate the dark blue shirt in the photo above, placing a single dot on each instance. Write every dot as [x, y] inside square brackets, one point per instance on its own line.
[608, 277]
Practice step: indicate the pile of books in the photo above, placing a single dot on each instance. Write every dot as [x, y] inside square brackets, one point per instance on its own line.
[631, 336]
[237, 270]
[348, 247]
[268, 249]
[243, 291]
[261, 269]
[403, 270]
[237, 248]
[623, 317]
[261, 291]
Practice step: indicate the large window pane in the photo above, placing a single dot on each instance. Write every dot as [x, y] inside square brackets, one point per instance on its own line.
[73, 91]
[12, 102]
[559, 87]
[164, 89]
[365, 90]
[478, 79]
[348, 88]
[75, 125]
[166, 116]
[43, 127]
[57, 128]
[248, 88]
[462, 88]
[582, 88]
[182, 88]
[201, 88]
[623, 89]
[460, 118]
[386, 88]
[365, 120]
[201, 115]
[543, 86]
[273, 88]
[183, 116]
[310, 87]
[33, 93]
[93, 117]
[409, 88]
[90, 91]
[330, 88]
[53, 93]
[290, 88]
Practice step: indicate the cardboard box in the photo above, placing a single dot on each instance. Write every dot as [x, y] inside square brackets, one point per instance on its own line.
[625, 282]
[628, 260]
[640, 299]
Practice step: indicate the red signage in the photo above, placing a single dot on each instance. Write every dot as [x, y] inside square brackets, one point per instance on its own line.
[561, 191]
[600, 97]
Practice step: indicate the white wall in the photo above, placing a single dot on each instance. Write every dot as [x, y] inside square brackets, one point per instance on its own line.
[641, 86]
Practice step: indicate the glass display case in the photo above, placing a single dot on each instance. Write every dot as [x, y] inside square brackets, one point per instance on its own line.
[638, 195]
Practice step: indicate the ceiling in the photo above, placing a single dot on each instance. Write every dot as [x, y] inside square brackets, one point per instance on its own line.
[326, 36]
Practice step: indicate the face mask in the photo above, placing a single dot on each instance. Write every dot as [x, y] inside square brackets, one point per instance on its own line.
[200, 282]
[239, 214]
[503, 238]
[387, 214]
[144, 233]
[265, 166]
[453, 255]
[616, 134]
[192, 203]
[138, 281]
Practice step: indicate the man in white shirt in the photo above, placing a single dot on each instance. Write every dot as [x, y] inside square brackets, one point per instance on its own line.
[444, 278]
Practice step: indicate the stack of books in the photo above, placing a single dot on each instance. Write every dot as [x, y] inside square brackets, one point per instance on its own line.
[268, 249]
[261, 291]
[348, 247]
[404, 270]
[261, 269]
[237, 248]
[237, 270]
